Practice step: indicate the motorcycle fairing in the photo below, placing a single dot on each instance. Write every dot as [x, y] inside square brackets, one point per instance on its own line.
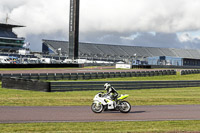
[122, 97]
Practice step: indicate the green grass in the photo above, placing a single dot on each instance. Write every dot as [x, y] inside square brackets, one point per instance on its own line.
[104, 127]
[171, 96]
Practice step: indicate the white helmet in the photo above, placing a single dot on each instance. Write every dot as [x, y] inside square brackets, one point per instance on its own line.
[107, 86]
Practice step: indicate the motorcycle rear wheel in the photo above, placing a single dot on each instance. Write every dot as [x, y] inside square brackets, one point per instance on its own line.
[97, 109]
[125, 107]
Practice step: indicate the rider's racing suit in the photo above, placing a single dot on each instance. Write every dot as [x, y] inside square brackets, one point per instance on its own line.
[112, 93]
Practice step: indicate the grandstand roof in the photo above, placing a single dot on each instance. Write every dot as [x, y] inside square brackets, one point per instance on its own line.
[10, 25]
[122, 50]
[6, 31]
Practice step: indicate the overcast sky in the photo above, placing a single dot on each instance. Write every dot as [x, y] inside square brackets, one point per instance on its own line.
[153, 23]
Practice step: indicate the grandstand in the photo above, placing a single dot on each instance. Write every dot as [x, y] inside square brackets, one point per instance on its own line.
[118, 52]
[9, 42]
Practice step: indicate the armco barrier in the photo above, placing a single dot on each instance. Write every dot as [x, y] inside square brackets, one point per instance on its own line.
[186, 72]
[120, 85]
[14, 83]
[94, 75]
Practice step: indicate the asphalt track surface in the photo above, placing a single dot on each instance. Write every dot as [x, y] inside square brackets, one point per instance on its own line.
[84, 114]
[78, 70]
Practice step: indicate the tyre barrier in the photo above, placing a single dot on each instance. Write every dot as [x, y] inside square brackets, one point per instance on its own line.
[36, 85]
[86, 76]
[26, 84]
[187, 72]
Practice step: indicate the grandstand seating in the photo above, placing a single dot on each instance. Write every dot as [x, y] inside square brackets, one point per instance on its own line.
[55, 45]
[194, 53]
[118, 51]
[143, 51]
[105, 49]
[84, 50]
[182, 53]
[155, 51]
[92, 49]
[130, 50]
[168, 52]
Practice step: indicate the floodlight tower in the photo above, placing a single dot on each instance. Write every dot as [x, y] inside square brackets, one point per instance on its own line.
[74, 29]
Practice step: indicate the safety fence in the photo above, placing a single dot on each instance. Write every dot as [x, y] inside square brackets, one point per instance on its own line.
[120, 85]
[86, 76]
[186, 72]
[15, 83]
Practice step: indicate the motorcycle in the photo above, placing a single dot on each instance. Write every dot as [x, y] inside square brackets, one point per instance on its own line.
[103, 102]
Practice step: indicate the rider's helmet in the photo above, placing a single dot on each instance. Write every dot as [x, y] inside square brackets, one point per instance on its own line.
[107, 86]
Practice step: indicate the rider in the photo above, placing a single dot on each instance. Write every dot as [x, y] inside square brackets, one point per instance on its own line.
[111, 91]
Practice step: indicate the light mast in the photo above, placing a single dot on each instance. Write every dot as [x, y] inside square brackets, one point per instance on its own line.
[74, 29]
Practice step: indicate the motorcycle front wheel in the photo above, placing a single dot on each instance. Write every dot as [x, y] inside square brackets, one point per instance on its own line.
[97, 109]
[125, 107]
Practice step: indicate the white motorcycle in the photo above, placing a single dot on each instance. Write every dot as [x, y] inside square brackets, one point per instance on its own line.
[103, 102]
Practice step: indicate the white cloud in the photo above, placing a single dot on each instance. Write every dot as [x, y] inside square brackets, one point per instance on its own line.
[187, 37]
[105, 16]
[140, 15]
[184, 37]
[40, 16]
[44, 16]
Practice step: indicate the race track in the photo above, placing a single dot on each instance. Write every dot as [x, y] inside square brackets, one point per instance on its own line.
[77, 70]
[84, 114]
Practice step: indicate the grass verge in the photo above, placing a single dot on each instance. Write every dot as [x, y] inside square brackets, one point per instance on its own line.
[105, 127]
[171, 96]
